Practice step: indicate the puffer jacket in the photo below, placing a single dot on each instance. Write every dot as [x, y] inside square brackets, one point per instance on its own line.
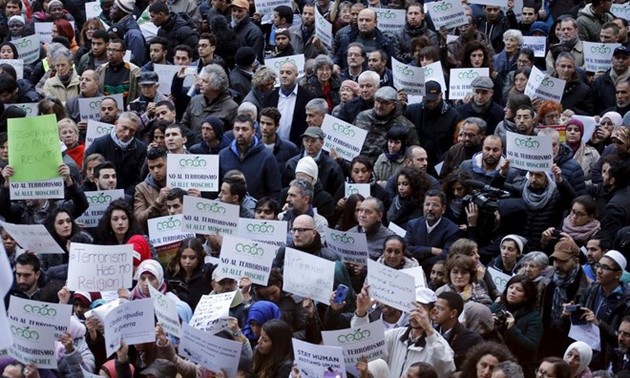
[571, 169]
[576, 96]
[589, 25]
[178, 30]
[222, 107]
[129, 30]
[402, 41]
[313, 85]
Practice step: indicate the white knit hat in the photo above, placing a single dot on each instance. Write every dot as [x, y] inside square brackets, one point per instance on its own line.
[308, 166]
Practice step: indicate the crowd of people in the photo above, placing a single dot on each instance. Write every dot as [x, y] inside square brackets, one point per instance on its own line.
[516, 262]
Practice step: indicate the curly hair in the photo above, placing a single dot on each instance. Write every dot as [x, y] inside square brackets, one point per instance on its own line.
[547, 107]
[417, 181]
[499, 351]
[472, 46]
[104, 234]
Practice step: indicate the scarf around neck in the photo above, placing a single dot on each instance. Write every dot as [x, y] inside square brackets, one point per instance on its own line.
[560, 295]
[117, 140]
[537, 201]
[580, 234]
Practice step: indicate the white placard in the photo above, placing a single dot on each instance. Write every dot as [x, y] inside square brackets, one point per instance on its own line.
[390, 20]
[165, 312]
[208, 217]
[131, 322]
[461, 81]
[18, 64]
[408, 78]
[96, 129]
[343, 137]
[529, 152]
[267, 6]
[621, 10]
[188, 171]
[352, 247]
[99, 267]
[447, 13]
[589, 126]
[397, 229]
[90, 108]
[367, 340]
[307, 275]
[543, 86]
[494, 3]
[274, 64]
[30, 108]
[44, 30]
[271, 232]
[99, 201]
[166, 73]
[6, 281]
[241, 257]
[28, 48]
[45, 189]
[598, 56]
[167, 230]
[314, 360]
[33, 237]
[212, 310]
[390, 286]
[589, 333]
[537, 44]
[434, 72]
[418, 274]
[34, 327]
[362, 189]
[500, 279]
[323, 29]
[212, 352]
[93, 10]
[451, 38]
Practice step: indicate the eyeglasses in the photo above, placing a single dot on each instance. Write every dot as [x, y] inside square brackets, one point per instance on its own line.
[605, 267]
[544, 374]
[301, 230]
[578, 213]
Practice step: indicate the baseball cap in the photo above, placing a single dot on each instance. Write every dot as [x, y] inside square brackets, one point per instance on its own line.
[425, 296]
[314, 132]
[148, 77]
[482, 82]
[240, 4]
[565, 250]
[433, 90]
[622, 50]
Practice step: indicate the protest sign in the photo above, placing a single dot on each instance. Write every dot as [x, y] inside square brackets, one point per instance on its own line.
[537, 44]
[447, 13]
[408, 78]
[267, 6]
[588, 333]
[352, 247]
[461, 81]
[621, 10]
[167, 229]
[241, 257]
[365, 341]
[212, 311]
[314, 361]
[99, 201]
[390, 20]
[44, 189]
[529, 152]
[598, 56]
[188, 171]
[500, 279]
[90, 108]
[362, 189]
[99, 267]
[418, 275]
[28, 48]
[434, 72]
[165, 312]
[391, 286]
[29, 108]
[589, 126]
[212, 352]
[34, 327]
[323, 29]
[131, 322]
[96, 129]
[307, 275]
[44, 30]
[33, 237]
[17, 64]
[166, 73]
[93, 9]
[6, 281]
[34, 149]
[274, 64]
[343, 137]
[543, 86]
[208, 217]
[494, 3]
[271, 232]
[397, 229]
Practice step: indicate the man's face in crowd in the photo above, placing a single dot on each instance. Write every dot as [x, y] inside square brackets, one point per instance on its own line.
[415, 15]
[243, 133]
[288, 75]
[354, 57]
[471, 135]
[174, 206]
[303, 232]
[529, 15]
[282, 42]
[622, 94]
[12, 9]
[433, 208]
[125, 129]
[115, 53]
[109, 111]
[623, 30]
[239, 14]
[26, 277]
[369, 215]
[524, 121]
[296, 200]
[308, 16]
[537, 180]
[608, 35]
[383, 107]
[482, 96]
[99, 47]
[157, 53]
[87, 84]
[163, 113]
[620, 63]
[419, 159]
[314, 117]
[174, 139]
[492, 13]
[268, 126]
[367, 88]
[106, 179]
[157, 168]
[182, 58]
[491, 152]
[367, 21]
[568, 31]
[375, 63]
[623, 337]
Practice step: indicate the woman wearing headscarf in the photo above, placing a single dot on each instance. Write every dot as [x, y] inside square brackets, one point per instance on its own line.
[258, 314]
[578, 355]
[584, 154]
[512, 247]
[601, 137]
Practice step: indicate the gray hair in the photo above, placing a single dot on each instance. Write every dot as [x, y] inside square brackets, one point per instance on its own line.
[317, 104]
[218, 78]
[53, 47]
[370, 75]
[513, 33]
[571, 20]
[510, 369]
[133, 117]
[566, 55]
[379, 204]
[536, 257]
[248, 107]
[321, 61]
[263, 75]
[305, 188]
[95, 75]
[480, 123]
[61, 53]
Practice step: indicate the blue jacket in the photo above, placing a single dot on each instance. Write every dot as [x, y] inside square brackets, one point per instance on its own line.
[571, 169]
[127, 28]
[419, 241]
[259, 167]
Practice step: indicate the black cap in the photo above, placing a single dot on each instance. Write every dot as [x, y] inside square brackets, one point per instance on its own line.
[622, 50]
[148, 77]
[433, 89]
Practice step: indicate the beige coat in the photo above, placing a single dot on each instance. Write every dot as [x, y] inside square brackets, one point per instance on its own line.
[54, 88]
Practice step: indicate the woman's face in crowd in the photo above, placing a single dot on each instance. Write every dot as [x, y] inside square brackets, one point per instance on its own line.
[120, 223]
[63, 225]
[4, 151]
[393, 253]
[404, 186]
[573, 359]
[485, 366]
[531, 270]
[147, 279]
[515, 294]
[324, 73]
[509, 253]
[188, 260]
[158, 138]
[271, 293]
[476, 58]
[346, 94]
[573, 134]
[437, 275]
[264, 343]
[6, 52]
[578, 215]
[511, 45]
[520, 82]
[459, 278]
[360, 173]
[69, 136]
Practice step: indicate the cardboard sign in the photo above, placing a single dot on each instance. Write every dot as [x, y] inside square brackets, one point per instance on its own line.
[408, 78]
[621, 10]
[166, 230]
[96, 129]
[362, 189]
[270, 232]
[242, 257]
[537, 44]
[165, 312]
[33, 237]
[390, 286]
[30, 108]
[390, 20]
[212, 352]
[267, 6]
[531, 153]
[418, 275]
[543, 86]
[447, 13]
[166, 73]
[461, 81]
[90, 108]
[99, 201]
[598, 56]
[352, 247]
[44, 31]
[323, 29]
[93, 10]
[28, 48]
[307, 275]
[209, 217]
[434, 72]
[315, 361]
[188, 171]
[99, 267]
[500, 279]
[343, 137]
[131, 322]
[18, 64]
[44, 189]
[212, 311]
[397, 229]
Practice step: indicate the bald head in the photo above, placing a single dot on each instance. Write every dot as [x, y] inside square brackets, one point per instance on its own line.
[303, 231]
[367, 21]
[288, 75]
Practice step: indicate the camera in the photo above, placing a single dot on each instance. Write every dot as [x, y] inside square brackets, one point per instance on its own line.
[500, 318]
[485, 203]
[139, 106]
[556, 234]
